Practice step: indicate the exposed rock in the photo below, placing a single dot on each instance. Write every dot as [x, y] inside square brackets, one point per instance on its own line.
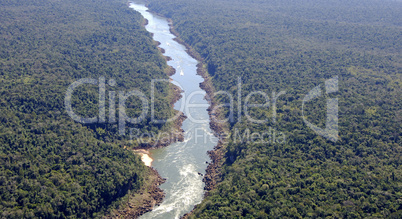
[142, 202]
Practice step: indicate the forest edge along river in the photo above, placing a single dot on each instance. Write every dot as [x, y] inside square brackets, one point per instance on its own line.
[182, 164]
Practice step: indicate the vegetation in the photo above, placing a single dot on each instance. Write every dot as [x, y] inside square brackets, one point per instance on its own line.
[294, 46]
[50, 165]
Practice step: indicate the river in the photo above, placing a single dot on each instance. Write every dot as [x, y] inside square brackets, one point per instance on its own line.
[181, 163]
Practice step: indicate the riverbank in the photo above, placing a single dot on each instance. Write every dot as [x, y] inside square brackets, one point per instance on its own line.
[143, 201]
[150, 195]
[145, 158]
[213, 172]
[176, 133]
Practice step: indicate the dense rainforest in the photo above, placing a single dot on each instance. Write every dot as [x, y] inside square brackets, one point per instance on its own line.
[50, 165]
[291, 47]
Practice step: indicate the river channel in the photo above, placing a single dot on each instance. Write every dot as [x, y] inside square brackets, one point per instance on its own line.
[181, 163]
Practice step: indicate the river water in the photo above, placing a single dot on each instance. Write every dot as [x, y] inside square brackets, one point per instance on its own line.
[180, 163]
